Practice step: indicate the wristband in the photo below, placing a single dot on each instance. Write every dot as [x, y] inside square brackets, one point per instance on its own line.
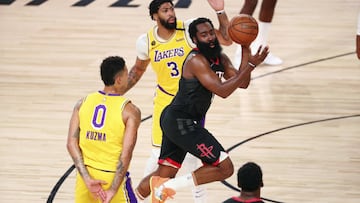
[220, 12]
[252, 65]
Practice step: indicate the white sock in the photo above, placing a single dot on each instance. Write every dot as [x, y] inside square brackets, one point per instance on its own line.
[237, 58]
[261, 39]
[151, 165]
[180, 182]
[191, 163]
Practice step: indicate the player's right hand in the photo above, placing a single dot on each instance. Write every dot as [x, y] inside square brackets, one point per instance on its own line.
[259, 56]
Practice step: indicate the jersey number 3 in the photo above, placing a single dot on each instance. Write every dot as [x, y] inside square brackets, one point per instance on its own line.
[174, 69]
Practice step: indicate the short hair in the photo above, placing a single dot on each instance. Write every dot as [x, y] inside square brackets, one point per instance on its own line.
[109, 67]
[193, 29]
[155, 5]
[250, 177]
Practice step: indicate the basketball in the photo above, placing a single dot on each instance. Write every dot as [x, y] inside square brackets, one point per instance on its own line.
[243, 29]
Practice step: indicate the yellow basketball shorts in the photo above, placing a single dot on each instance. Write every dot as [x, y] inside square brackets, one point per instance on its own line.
[125, 193]
[161, 100]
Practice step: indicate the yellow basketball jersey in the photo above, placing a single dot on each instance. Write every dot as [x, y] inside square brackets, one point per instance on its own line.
[102, 129]
[168, 57]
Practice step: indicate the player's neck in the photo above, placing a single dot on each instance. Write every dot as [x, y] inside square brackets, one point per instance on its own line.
[249, 195]
[165, 33]
[111, 90]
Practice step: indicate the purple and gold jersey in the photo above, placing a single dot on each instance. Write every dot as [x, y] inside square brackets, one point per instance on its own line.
[102, 129]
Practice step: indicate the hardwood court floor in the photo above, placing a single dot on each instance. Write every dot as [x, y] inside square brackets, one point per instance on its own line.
[299, 121]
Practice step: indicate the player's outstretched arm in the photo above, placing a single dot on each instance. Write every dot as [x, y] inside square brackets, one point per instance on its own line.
[221, 33]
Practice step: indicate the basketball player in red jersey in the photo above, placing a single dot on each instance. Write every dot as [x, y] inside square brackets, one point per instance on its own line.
[249, 179]
[164, 47]
[202, 74]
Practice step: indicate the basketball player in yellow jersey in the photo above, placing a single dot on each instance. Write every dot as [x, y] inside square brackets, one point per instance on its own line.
[167, 62]
[165, 46]
[101, 139]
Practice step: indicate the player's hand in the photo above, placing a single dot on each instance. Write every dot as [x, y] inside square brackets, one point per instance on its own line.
[217, 5]
[260, 56]
[94, 186]
[109, 195]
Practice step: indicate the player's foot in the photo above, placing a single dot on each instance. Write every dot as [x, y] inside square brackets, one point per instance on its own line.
[272, 60]
[159, 193]
[269, 60]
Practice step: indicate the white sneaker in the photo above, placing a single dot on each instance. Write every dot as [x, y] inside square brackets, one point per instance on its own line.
[159, 193]
[272, 60]
[269, 60]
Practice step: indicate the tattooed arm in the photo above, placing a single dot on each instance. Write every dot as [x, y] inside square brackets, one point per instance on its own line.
[136, 72]
[74, 150]
[141, 62]
[132, 118]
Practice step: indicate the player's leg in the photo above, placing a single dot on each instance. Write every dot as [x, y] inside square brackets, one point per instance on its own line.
[151, 163]
[265, 18]
[210, 173]
[248, 8]
[143, 189]
[267, 10]
[160, 102]
[199, 142]
[203, 175]
[217, 164]
[191, 163]
[169, 162]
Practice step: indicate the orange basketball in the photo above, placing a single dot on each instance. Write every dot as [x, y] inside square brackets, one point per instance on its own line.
[243, 29]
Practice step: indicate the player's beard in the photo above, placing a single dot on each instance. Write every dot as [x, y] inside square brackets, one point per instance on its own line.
[170, 26]
[208, 51]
